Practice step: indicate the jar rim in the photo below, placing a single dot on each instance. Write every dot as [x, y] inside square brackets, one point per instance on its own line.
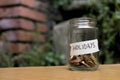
[77, 21]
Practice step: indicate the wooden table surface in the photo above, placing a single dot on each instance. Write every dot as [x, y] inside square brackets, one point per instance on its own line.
[105, 72]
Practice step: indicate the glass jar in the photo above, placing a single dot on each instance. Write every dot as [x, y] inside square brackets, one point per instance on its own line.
[83, 44]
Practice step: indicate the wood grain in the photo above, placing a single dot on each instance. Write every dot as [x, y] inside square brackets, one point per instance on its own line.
[105, 72]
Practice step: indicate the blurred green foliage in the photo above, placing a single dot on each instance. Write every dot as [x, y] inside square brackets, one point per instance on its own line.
[5, 60]
[57, 3]
[33, 57]
[108, 21]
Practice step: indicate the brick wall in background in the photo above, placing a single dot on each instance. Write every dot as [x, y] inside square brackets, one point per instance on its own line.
[18, 21]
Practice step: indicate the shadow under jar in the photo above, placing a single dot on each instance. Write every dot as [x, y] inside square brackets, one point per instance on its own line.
[83, 43]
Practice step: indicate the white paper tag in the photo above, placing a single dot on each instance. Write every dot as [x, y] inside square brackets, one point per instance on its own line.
[84, 47]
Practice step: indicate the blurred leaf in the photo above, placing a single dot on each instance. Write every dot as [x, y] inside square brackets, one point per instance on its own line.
[118, 1]
[117, 14]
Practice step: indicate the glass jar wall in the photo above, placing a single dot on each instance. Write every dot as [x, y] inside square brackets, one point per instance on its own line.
[83, 44]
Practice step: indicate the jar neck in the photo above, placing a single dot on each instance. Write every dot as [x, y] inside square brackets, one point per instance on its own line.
[83, 22]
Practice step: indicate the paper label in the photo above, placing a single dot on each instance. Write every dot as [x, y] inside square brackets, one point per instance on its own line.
[84, 47]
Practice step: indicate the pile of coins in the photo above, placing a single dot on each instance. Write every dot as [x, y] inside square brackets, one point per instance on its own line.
[83, 61]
